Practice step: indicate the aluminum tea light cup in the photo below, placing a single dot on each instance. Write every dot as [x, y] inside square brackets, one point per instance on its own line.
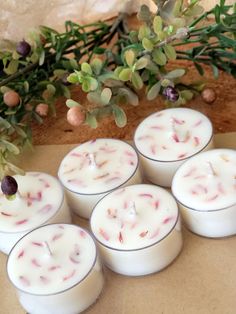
[205, 188]
[137, 229]
[166, 139]
[56, 270]
[95, 168]
[39, 200]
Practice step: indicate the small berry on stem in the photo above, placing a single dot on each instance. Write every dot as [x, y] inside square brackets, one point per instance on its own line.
[171, 93]
[9, 186]
[76, 116]
[23, 48]
[11, 98]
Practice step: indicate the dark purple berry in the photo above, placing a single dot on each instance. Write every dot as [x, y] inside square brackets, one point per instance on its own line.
[23, 48]
[171, 93]
[9, 185]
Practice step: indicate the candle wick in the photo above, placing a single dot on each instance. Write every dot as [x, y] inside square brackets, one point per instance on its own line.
[133, 210]
[48, 248]
[92, 160]
[213, 172]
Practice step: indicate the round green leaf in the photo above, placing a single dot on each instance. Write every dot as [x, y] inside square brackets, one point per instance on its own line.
[92, 83]
[85, 67]
[73, 78]
[136, 80]
[106, 96]
[91, 120]
[144, 31]
[141, 63]
[175, 74]
[119, 115]
[170, 52]
[71, 103]
[131, 97]
[157, 24]
[96, 65]
[129, 57]
[159, 57]
[154, 91]
[125, 74]
[147, 44]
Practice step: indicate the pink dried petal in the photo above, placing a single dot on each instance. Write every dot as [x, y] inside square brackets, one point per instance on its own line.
[112, 179]
[145, 137]
[103, 163]
[182, 155]
[45, 209]
[54, 267]
[196, 140]
[82, 233]
[24, 281]
[46, 184]
[200, 177]
[146, 195]
[178, 121]
[198, 123]
[212, 198]
[108, 150]
[153, 149]
[57, 236]
[128, 153]
[6, 214]
[167, 220]
[175, 138]
[157, 127]
[190, 172]
[143, 234]
[156, 204]
[69, 171]
[35, 262]
[120, 237]
[21, 222]
[104, 234]
[21, 254]
[37, 244]
[155, 233]
[69, 275]
[76, 154]
[220, 188]
[101, 176]
[44, 279]
[112, 213]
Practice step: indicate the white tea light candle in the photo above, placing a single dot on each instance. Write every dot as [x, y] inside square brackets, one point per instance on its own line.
[40, 199]
[56, 270]
[95, 168]
[205, 188]
[167, 138]
[137, 229]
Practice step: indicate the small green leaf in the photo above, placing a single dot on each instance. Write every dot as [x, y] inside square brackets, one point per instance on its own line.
[74, 64]
[144, 31]
[42, 57]
[15, 169]
[186, 94]
[94, 98]
[170, 52]
[144, 14]
[157, 24]
[12, 67]
[136, 80]
[159, 57]
[175, 74]
[10, 146]
[119, 115]
[147, 44]
[93, 83]
[131, 97]
[73, 78]
[71, 103]
[4, 89]
[85, 67]
[199, 68]
[51, 90]
[125, 74]
[215, 71]
[106, 96]
[129, 57]
[66, 91]
[26, 86]
[96, 65]
[20, 131]
[91, 120]
[154, 91]
[141, 63]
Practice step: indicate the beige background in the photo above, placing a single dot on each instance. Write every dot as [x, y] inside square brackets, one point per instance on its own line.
[202, 280]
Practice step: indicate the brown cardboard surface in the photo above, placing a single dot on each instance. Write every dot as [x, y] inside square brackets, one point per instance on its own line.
[202, 280]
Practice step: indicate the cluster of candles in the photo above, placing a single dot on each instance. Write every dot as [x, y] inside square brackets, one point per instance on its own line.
[135, 228]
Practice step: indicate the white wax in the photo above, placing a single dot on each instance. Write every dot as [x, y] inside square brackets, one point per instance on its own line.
[40, 199]
[56, 270]
[205, 187]
[95, 168]
[167, 138]
[137, 229]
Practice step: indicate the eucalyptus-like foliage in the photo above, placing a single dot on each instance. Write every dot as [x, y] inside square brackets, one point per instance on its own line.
[112, 64]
